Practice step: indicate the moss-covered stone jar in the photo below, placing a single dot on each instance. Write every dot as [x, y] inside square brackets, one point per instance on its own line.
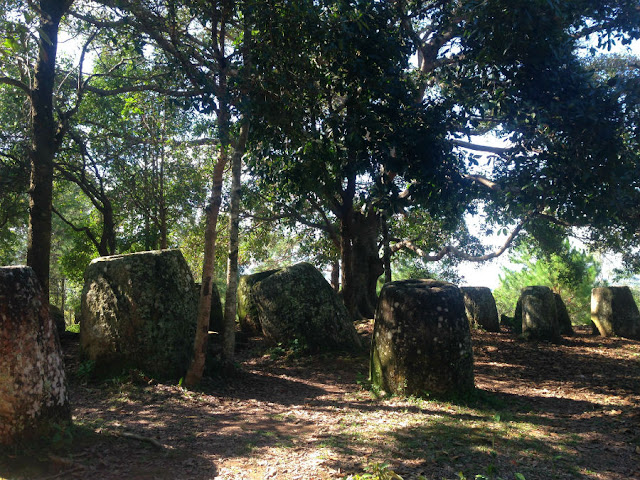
[421, 341]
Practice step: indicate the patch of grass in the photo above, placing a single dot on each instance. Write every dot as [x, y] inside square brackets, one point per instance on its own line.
[378, 471]
[296, 348]
[86, 370]
[73, 328]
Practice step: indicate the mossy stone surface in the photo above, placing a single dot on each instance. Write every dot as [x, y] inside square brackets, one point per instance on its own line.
[564, 320]
[536, 310]
[297, 303]
[139, 310]
[33, 387]
[481, 308]
[247, 310]
[615, 313]
[422, 340]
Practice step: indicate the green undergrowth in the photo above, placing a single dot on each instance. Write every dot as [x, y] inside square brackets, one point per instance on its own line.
[382, 471]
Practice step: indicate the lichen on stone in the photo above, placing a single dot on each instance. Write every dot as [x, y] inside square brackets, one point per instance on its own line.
[422, 341]
[139, 310]
[33, 391]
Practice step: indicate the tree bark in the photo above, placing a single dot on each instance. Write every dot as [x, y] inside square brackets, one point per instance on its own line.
[44, 143]
[361, 263]
[386, 255]
[335, 275]
[230, 302]
[366, 265]
[196, 369]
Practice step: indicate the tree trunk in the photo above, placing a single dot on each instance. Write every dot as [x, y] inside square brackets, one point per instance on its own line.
[361, 264]
[230, 302]
[386, 255]
[162, 205]
[108, 238]
[335, 275]
[44, 143]
[194, 374]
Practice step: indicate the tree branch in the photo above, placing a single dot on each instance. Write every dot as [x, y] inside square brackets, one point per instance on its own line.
[85, 230]
[143, 88]
[481, 148]
[484, 181]
[100, 23]
[456, 252]
[16, 83]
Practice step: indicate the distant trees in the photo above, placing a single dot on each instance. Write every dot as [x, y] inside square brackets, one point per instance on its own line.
[568, 271]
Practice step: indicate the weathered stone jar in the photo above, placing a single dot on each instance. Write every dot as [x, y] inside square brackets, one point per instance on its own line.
[615, 313]
[422, 342]
[139, 311]
[297, 303]
[536, 309]
[33, 388]
[564, 320]
[481, 308]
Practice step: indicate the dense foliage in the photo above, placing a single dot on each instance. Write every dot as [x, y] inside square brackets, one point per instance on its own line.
[362, 127]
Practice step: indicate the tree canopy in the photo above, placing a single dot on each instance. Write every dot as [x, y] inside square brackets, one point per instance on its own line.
[360, 128]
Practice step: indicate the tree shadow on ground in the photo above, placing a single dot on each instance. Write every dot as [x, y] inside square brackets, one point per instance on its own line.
[542, 410]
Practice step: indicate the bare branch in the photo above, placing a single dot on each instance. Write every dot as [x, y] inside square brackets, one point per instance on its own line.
[481, 148]
[143, 88]
[101, 23]
[484, 181]
[456, 252]
[85, 230]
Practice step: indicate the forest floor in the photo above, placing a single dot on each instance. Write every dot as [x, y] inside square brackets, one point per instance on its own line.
[542, 411]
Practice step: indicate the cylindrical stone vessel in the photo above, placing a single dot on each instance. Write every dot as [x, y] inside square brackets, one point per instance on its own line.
[33, 387]
[421, 340]
[615, 313]
[481, 308]
[536, 310]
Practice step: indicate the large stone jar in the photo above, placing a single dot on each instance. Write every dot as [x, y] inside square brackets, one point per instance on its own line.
[33, 387]
[536, 310]
[481, 308]
[139, 310]
[422, 341]
[297, 303]
[615, 313]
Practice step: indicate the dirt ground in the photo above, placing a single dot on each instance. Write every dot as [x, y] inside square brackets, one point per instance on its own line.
[542, 411]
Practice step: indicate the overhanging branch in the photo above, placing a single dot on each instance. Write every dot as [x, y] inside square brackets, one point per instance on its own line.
[143, 88]
[85, 230]
[454, 251]
[481, 148]
[16, 83]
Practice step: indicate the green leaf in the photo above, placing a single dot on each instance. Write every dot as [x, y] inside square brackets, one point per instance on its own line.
[11, 44]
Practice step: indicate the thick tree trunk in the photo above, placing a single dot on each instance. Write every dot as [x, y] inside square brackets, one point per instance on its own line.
[108, 238]
[44, 144]
[361, 264]
[230, 303]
